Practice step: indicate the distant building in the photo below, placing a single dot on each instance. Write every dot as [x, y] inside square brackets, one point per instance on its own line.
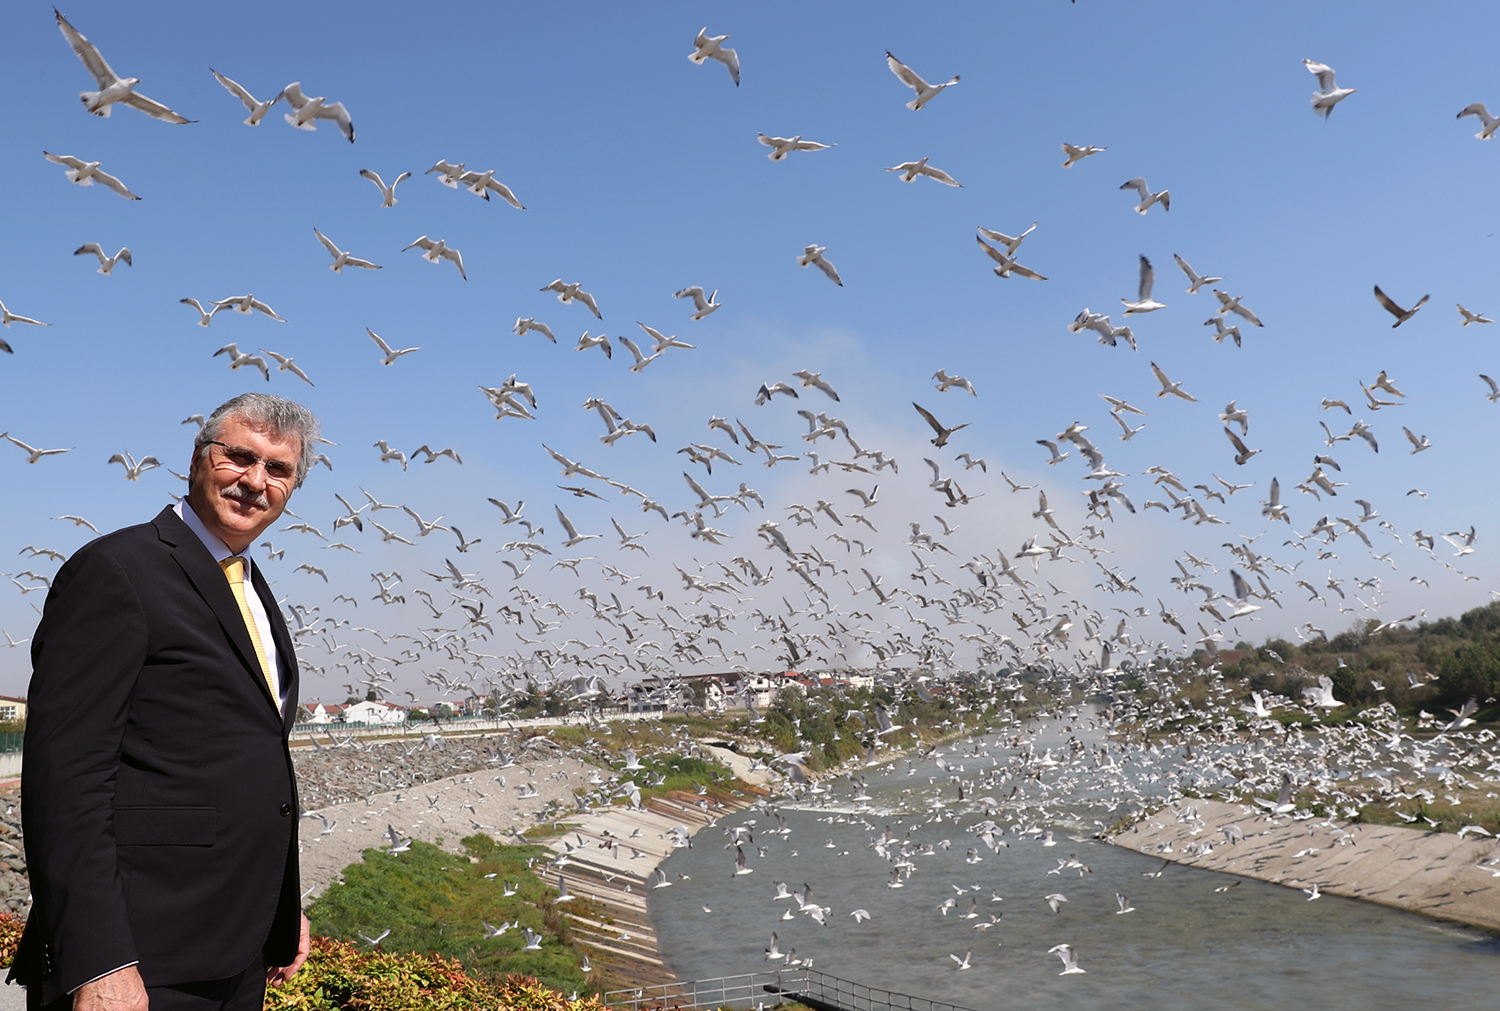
[374, 712]
[320, 712]
[12, 710]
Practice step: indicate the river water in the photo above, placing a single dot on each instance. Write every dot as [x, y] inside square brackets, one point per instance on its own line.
[1196, 938]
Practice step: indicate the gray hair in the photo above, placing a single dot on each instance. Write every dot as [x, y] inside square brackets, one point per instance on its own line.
[283, 418]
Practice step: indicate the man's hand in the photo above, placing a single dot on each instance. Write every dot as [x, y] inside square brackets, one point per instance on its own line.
[121, 990]
[277, 975]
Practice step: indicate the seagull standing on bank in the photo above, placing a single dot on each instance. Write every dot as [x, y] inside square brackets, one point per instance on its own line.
[706, 47]
[112, 87]
[925, 92]
[309, 110]
[257, 108]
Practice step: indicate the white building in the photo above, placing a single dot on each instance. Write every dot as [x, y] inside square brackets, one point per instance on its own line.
[374, 712]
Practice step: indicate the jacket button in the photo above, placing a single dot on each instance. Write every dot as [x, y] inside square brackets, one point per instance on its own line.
[286, 810]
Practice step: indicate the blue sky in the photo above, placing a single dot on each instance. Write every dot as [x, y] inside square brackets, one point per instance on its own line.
[641, 174]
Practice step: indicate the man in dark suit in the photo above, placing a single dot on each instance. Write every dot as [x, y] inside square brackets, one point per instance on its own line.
[158, 796]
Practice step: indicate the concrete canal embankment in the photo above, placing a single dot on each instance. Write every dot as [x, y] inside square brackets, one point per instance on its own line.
[1432, 873]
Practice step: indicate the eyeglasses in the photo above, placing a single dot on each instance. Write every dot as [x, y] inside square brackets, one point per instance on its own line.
[242, 460]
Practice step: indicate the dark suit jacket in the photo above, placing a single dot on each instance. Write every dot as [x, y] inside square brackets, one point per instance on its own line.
[157, 793]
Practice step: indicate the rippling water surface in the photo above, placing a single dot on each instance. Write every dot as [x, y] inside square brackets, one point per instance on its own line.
[1254, 945]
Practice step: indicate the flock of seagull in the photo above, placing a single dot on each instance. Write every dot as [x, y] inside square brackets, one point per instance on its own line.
[797, 584]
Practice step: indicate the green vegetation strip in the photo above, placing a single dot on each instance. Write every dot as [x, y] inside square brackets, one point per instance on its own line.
[433, 901]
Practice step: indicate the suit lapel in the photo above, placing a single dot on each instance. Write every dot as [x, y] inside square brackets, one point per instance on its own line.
[284, 647]
[208, 579]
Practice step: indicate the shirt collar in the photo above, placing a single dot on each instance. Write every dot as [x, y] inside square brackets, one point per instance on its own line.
[211, 541]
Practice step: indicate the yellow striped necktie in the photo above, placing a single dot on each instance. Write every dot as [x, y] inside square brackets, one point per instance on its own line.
[234, 571]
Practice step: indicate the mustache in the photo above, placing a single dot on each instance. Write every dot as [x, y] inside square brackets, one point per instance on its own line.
[242, 494]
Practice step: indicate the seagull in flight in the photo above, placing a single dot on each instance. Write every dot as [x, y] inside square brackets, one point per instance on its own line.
[205, 316]
[912, 169]
[706, 47]
[436, 251]
[134, 469]
[1472, 317]
[814, 255]
[7, 318]
[574, 537]
[568, 291]
[783, 146]
[385, 349]
[528, 323]
[1144, 301]
[1007, 264]
[1478, 111]
[946, 382]
[1169, 387]
[309, 110]
[1069, 959]
[84, 173]
[1329, 93]
[106, 263]
[1147, 197]
[342, 259]
[1231, 303]
[112, 87]
[244, 304]
[1402, 315]
[387, 193]
[239, 359]
[909, 77]
[1195, 280]
[702, 306]
[257, 108]
[285, 364]
[32, 456]
[482, 184]
[942, 433]
[1077, 154]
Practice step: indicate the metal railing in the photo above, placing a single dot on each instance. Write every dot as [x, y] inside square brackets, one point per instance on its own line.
[768, 988]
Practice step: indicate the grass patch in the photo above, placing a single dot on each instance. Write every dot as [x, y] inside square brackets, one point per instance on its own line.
[433, 901]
